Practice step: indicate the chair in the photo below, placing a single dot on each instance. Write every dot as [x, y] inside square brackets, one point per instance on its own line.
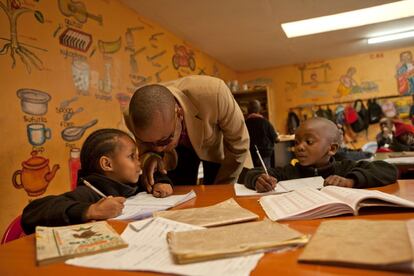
[13, 231]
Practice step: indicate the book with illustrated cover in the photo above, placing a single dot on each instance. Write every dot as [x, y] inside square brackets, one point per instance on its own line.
[327, 202]
[382, 244]
[60, 243]
[226, 212]
[231, 240]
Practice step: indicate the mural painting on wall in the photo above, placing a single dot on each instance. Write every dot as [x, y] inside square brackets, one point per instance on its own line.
[136, 79]
[35, 174]
[35, 103]
[153, 58]
[74, 133]
[13, 10]
[154, 39]
[158, 73]
[77, 10]
[183, 57]
[81, 75]
[405, 73]
[107, 48]
[348, 85]
[313, 75]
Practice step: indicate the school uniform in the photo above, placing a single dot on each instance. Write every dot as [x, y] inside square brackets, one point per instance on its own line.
[365, 174]
[69, 208]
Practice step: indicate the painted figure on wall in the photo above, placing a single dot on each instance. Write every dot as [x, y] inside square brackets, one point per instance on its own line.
[347, 84]
[405, 73]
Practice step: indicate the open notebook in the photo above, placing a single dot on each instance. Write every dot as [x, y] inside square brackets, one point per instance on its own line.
[329, 201]
[283, 186]
[143, 204]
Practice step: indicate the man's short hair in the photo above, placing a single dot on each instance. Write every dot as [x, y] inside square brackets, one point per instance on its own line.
[147, 101]
[253, 107]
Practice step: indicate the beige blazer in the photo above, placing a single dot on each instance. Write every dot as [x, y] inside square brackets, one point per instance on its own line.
[215, 124]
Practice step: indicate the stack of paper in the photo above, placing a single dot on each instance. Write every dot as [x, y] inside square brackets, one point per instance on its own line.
[143, 205]
[148, 251]
[223, 213]
[283, 186]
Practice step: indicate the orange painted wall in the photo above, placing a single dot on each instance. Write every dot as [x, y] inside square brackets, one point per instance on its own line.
[318, 82]
[87, 64]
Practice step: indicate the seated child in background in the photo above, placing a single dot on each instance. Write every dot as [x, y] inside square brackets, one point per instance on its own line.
[404, 137]
[385, 136]
[316, 142]
[109, 160]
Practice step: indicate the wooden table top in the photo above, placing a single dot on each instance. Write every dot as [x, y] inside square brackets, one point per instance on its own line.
[18, 257]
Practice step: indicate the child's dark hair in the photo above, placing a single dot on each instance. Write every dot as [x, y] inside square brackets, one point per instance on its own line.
[100, 142]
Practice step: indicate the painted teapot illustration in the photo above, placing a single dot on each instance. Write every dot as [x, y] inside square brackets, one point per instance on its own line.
[35, 175]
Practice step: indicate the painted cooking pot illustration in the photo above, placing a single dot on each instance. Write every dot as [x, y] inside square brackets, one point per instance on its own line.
[74, 133]
[35, 175]
[32, 101]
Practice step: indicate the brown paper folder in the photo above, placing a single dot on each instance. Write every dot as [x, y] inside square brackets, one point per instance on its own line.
[231, 240]
[226, 212]
[361, 243]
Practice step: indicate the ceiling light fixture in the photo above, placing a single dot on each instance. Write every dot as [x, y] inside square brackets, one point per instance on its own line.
[390, 37]
[351, 19]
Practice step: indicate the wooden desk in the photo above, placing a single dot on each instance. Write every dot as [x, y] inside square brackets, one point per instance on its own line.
[405, 170]
[18, 257]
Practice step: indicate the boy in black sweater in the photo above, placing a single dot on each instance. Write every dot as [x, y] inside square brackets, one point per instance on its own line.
[316, 142]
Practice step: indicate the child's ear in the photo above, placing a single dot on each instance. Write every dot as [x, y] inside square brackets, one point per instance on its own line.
[106, 163]
[333, 149]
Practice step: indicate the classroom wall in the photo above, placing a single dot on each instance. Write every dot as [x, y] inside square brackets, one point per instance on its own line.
[68, 68]
[364, 76]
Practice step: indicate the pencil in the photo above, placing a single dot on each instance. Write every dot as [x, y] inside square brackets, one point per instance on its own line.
[261, 160]
[93, 188]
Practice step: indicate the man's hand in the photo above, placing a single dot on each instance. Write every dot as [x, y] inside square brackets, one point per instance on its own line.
[162, 190]
[340, 181]
[105, 208]
[152, 164]
[265, 183]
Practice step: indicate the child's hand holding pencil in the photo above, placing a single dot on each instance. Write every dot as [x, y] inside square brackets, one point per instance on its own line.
[265, 183]
[107, 207]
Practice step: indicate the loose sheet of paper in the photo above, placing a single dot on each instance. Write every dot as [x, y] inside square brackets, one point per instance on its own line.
[148, 251]
[143, 204]
[283, 186]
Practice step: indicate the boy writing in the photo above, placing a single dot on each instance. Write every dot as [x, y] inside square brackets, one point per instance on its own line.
[316, 141]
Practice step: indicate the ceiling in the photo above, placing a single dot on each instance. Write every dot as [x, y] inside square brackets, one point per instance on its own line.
[246, 34]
